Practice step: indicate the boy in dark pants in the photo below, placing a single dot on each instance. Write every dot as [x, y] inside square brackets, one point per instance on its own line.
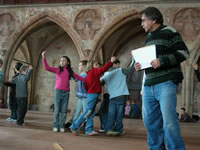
[22, 92]
[12, 100]
[103, 112]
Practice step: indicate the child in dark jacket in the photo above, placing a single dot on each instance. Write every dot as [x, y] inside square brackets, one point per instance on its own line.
[22, 92]
[12, 102]
[93, 87]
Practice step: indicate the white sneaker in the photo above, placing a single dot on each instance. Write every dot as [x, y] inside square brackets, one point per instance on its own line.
[62, 130]
[93, 133]
[101, 131]
[9, 120]
[24, 124]
[14, 120]
[55, 129]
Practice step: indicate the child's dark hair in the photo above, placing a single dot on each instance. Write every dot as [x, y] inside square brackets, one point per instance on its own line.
[18, 65]
[68, 67]
[23, 68]
[116, 61]
[90, 65]
[183, 108]
[84, 62]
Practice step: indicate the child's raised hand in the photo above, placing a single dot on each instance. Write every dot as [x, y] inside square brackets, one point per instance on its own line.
[30, 67]
[113, 59]
[43, 54]
[195, 66]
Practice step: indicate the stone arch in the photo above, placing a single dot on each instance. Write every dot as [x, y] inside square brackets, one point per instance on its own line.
[110, 28]
[39, 19]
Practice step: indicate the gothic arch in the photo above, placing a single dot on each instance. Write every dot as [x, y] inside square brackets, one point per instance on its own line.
[26, 29]
[110, 28]
[39, 19]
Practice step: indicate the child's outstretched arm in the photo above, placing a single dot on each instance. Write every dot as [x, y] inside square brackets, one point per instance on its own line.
[126, 71]
[46, 66]
[77, 77]
[106, 66]
[28, 75]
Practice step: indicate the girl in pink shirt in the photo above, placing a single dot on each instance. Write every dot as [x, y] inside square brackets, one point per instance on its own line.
[61, 96]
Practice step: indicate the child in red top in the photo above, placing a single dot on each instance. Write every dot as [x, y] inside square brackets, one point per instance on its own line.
[93, 87]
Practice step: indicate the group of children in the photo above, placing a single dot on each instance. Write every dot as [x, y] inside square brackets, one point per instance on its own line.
[18, 96]
[88, 91]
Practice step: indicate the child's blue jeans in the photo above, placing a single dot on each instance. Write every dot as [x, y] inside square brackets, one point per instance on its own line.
[87, 115]
[61, 99]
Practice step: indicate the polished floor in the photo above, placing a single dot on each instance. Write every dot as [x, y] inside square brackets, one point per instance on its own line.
[37, 135]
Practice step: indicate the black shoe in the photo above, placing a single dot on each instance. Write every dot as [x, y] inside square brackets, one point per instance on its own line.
[67, 125]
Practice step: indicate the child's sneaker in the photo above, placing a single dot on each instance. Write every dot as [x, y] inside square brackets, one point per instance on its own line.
[93, 133]
[75, 132]
[55, 129]
[112, 133]
[122, 133]
[14, 120]
[24, 124]
[115, 133]
[101, 131]
[9, 120]
[62, 130]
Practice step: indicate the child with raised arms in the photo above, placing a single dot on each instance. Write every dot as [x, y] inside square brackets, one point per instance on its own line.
[61, 96]
[93, 87]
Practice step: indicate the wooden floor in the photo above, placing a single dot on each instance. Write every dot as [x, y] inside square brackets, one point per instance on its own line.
[38, 135]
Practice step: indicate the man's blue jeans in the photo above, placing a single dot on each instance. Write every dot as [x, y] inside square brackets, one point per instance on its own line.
[61, 99]
[80, 106]
[87, 115]
[160, 118]
[115, 114]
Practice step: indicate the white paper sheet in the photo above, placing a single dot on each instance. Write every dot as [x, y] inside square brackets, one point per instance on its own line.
[145, 55]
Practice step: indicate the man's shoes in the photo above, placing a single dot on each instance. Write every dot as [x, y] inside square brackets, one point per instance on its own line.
[62, 130]
[55, 129]
[93, 133]
[75, 132]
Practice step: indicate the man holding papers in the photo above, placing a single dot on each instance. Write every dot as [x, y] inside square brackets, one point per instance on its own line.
[161, 81]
